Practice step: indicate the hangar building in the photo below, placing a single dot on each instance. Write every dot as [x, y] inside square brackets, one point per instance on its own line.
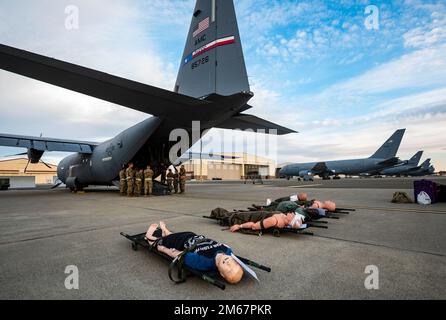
[38, 173]
[231, 169]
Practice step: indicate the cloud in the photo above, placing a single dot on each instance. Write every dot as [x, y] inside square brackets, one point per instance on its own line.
[421, 68]
[108, 39]
[411, 74]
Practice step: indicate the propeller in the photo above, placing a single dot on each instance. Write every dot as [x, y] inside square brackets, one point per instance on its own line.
[27, 154]
[26, 167]
[15, 155]
[56, 184]
[47, 165]
[19, 154]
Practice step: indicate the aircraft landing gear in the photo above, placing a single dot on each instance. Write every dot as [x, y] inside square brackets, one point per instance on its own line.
[74, 185]
[336, 178]
[77, 188]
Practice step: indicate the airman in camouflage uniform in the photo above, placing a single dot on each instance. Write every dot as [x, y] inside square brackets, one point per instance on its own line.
[138, 182]
[163, 172]
[148, 181]
[183, 179]
[170, 180]
[130, 176]
[176, 180]
[123, 181]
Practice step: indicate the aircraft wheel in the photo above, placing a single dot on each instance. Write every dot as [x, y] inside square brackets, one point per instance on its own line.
[134, 246]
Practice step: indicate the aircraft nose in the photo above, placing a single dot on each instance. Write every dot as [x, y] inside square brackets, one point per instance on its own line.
[283, 170]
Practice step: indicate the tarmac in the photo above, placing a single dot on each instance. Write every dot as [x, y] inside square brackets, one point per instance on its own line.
[43, 231]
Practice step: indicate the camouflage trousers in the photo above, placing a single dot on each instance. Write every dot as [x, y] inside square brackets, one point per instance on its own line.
[123, 187]
[148, 187]
[239, 217]
[175, 185]
[138, 188]
[130, 187]
[170, 185]
[182, 186]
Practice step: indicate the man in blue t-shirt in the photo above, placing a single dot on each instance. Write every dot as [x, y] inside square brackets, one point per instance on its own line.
[204, 255]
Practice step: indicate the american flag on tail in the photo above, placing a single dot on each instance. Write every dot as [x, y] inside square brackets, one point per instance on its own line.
[203, 25]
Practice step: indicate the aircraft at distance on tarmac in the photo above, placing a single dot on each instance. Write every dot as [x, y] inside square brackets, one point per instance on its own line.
[383, 158]
[212, 87]
[426, 169]
[404, 169]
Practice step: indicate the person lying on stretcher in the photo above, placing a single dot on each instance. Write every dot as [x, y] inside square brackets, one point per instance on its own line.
[300, 200]
[204, 255]
[290, 215]
[277, 220]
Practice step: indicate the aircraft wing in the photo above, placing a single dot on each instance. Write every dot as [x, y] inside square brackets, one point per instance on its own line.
[127, 93]
[205, 156]
[414, 169]
[46, 144]
[389, 162]
[246, 121]
[131, 94]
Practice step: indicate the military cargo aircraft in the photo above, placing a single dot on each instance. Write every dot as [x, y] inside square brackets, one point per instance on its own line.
[383, 158]
[425, 169]
[405, 168]
[212, 87]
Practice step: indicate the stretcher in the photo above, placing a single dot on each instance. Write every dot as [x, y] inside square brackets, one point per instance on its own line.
[275, 231]
[183, 271]
[328, 215]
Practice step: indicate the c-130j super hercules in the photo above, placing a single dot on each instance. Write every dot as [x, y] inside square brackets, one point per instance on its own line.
[212, 87]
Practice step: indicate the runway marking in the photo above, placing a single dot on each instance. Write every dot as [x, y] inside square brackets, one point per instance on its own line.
[381, 245]
[306, 186]
[399, 209]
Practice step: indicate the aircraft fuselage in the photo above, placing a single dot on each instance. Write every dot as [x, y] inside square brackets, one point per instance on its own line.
[399, 170]
[347, 167]
[103, 165]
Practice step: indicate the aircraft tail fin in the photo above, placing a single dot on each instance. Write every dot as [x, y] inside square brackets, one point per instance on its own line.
[213, 59]
[426, 164]
[415, 160]
[390, 148]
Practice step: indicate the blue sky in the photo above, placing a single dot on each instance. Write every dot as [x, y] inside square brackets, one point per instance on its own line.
[313, 66]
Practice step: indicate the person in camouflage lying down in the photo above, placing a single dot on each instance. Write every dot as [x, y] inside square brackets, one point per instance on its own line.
[301, 201]
[289, 215]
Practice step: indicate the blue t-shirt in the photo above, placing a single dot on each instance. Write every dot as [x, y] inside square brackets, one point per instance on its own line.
[202, 258]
